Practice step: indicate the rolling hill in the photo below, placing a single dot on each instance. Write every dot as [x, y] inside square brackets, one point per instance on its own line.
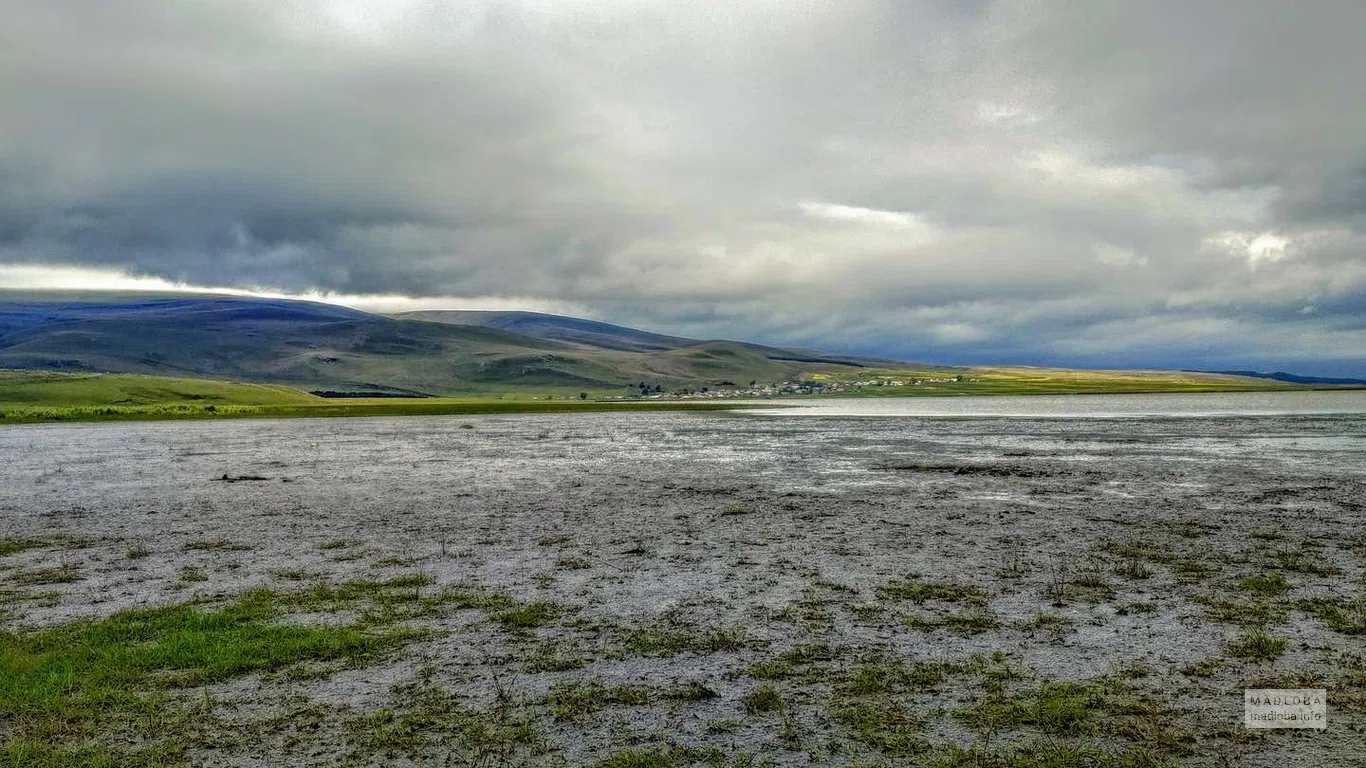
[324, 347]
[337, 351]
[608, 336]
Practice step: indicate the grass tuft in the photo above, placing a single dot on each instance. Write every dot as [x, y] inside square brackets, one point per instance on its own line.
[1258, 644]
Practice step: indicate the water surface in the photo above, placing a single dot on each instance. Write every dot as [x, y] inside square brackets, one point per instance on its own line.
[1203, 404]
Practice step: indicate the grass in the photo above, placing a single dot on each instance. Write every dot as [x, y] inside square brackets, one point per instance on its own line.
[918, 591]
[1058, 709]
[524, 618]
[21, 390]
[10, 546]
[885, 726]
[672, 640]
[80, 694]
[1299, 561]
[762, 699]
[1046, 381]
[574, 700]
[1345, 616]
[216, 545]
[1249, 614]
[1041, 621]
[1046, 754]
[1265, 584]
[1259, 645]
[432, 717]
[61, 574]
[44, 396]
[36, 396]
[964, 624]
[877, 678]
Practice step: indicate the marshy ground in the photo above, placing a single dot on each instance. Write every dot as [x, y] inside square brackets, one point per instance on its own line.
[653, 589]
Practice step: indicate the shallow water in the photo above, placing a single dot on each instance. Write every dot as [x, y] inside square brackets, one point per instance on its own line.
[1081, 406]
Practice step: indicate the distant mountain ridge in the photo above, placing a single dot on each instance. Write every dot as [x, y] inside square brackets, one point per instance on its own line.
[348, 352]
[1289, 378]
[327, 347]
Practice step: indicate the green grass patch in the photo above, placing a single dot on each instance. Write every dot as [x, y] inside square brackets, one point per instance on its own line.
[1258, 644]
[79, 694]
[672, 639]
[1248, 614]
[11, 546]
[964, 624]
[61, 574]
[885, 726]
[431, 718]
[764, 698]
[574, 700]
[526, 617]
[914, 589]
[1047, 754]
[1345, 616]
[1265, 584]
[216, 545]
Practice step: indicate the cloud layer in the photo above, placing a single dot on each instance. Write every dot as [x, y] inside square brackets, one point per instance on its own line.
[1069, 182]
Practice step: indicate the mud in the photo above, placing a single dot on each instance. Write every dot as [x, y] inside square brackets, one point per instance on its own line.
[782, 531]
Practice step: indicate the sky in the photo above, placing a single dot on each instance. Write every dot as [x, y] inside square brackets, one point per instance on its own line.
[1098, 183]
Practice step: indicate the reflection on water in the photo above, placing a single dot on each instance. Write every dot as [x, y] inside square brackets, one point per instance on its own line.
[1078, 406]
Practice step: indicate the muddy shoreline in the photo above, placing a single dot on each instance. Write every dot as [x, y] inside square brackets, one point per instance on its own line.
[691, 564]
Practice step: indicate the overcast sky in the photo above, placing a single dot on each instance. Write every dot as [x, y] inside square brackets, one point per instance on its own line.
[1168, 183]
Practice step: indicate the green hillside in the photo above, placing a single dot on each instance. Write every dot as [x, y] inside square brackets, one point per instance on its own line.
[324, 347]
[43, 396]
[1024, 380]
[24, 389]
[195, 355]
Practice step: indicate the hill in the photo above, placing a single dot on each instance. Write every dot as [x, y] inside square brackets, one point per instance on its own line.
[328, 348]
[342, 352]
[543, 326]
[28, 389]
[1292, 378]
[608, 336]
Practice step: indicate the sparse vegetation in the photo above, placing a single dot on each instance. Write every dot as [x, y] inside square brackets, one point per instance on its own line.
[764, 698]
[912, 588]
[1258, 644]
[672, 639]
[112, 706]
[216, 545]
[61, 574]
[1265, 584]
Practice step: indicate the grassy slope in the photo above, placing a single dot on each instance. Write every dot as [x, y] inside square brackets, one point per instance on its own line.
[1022, 380]
[22, 389]
[31, 397]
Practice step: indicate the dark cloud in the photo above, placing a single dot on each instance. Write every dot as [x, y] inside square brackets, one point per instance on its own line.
[1160, 183]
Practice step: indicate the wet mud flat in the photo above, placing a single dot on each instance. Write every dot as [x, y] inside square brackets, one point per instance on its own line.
[681, 589]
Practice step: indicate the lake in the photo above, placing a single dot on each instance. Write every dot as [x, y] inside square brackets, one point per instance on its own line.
[1079, 406]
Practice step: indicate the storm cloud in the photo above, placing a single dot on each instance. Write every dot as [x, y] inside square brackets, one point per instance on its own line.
[1070, 182]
